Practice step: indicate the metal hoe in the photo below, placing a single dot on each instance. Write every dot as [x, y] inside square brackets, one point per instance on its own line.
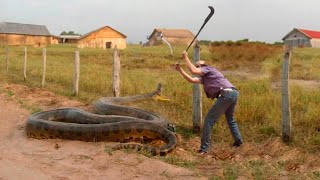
[205, 22]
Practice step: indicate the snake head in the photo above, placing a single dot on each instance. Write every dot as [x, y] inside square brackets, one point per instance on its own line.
[171, 127]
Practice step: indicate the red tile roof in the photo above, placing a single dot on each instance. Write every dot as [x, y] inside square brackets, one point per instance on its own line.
[310, 33]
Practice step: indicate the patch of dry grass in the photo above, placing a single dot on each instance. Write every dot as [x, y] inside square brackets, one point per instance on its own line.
[242, 55]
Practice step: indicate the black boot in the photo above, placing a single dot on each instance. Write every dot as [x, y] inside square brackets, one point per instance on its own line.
[237, 144]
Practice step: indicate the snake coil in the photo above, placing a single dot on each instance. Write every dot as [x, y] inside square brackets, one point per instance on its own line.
[115, 122]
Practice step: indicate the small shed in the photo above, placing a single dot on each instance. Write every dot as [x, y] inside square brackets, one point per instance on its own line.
[73, 39]
[173, 36]
[302, 38]
[24, 34]
[105, 37]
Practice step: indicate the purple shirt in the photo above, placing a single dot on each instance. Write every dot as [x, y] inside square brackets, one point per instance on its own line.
[213, 81]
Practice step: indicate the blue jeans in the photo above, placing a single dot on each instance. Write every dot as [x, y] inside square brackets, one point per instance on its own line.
[225, 104]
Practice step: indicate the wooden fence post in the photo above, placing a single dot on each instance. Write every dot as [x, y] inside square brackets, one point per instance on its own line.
[44, 55]
[197, 96]
[7, 59]
[25, 64]
[116, 72]
[76, 74]
[286, 113]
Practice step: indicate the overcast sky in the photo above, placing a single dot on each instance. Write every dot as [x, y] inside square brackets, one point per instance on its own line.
[257, 20]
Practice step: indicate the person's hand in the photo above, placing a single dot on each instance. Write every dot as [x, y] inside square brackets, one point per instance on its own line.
[184, 55]
[178, 68]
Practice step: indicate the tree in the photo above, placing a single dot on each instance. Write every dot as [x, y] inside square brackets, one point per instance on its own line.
[69, 33]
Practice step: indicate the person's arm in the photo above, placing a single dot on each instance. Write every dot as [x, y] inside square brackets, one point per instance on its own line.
[193, 69]
[186, 76]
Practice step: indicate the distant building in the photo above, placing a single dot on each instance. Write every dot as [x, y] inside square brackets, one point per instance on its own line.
[105, 37]
[25, 34]
[69, 38]
[55, 39]
[173, 36]
[302, 38]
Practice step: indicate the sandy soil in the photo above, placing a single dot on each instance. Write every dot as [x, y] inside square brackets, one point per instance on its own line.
[25, 158]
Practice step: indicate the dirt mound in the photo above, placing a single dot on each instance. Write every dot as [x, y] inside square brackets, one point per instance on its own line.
[37, 97]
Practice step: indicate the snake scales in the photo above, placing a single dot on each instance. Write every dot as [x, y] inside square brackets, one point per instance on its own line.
[115, 122]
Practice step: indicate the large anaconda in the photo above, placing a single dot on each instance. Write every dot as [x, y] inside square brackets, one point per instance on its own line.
[116, 122]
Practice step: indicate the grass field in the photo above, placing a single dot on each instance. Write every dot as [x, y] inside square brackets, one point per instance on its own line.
[254, 68]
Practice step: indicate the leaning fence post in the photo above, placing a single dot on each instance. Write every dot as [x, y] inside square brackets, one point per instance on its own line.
[7, 59]
[25, 64]
[286, 114]
[44, 55]
[116, 72]
[76, 74]
[197, 96]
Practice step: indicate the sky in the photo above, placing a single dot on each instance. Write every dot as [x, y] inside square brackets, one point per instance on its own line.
[256, 20]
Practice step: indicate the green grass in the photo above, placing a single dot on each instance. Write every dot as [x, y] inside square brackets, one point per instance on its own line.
[230, 172]
[259, 169]
[316, 175]
[179, 162]
[10, 93]
[305, 64]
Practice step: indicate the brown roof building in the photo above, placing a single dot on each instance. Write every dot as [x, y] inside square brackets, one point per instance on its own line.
[105, 37]
[173, 36]
[25, 34]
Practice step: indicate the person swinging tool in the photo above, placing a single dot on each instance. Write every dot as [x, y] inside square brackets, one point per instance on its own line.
[217, 86]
